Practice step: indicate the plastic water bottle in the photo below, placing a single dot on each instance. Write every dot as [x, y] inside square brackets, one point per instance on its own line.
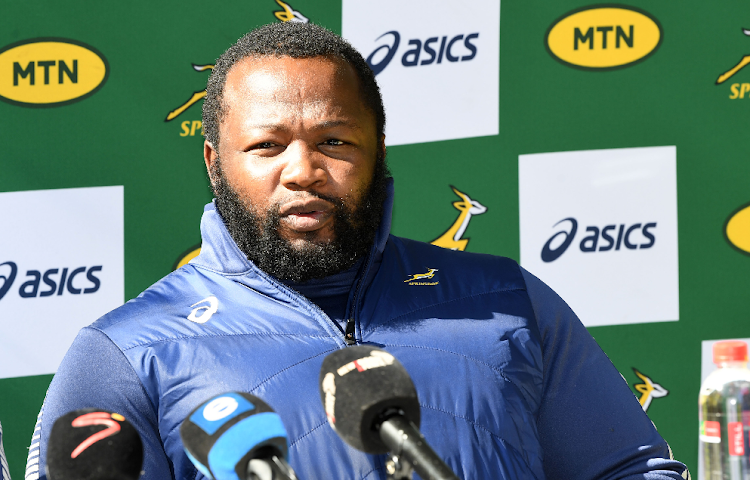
[724, 401]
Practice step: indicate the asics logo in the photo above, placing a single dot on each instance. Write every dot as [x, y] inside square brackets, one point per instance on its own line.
[434, 48]
[614, 238]
[203, 313]
[7, 278]
[69, 279]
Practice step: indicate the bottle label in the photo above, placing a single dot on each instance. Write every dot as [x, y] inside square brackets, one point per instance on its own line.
[711, 432]
[736, 443]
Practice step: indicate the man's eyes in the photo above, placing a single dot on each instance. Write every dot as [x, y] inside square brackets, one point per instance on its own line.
[333, 142]
[263, 148]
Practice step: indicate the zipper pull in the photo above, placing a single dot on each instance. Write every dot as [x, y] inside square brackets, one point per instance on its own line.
[349, 335]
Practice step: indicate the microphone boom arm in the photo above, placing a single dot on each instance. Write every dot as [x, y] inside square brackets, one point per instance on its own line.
[405, 442]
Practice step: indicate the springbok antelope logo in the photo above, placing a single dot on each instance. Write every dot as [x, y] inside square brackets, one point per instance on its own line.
[288, 14]
[422, 276]
[193, 98]
[452, 237]
[648, 390]
[742, 64]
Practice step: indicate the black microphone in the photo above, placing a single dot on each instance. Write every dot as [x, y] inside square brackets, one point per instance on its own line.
[372, 404]
[237, 436]
[93, 444]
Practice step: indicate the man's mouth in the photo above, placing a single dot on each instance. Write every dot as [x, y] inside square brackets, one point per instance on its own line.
[306, 215]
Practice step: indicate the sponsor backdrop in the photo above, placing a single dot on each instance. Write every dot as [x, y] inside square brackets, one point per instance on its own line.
[64, 266]
[602, 146]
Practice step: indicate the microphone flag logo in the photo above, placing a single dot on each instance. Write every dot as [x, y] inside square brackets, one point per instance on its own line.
[96, 418]
[220, 408]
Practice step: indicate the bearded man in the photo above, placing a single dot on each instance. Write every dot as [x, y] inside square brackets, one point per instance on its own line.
[297, 262]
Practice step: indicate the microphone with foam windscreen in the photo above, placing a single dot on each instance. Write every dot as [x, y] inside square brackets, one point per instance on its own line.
[237, 436]
[93, 444]
[372, 404]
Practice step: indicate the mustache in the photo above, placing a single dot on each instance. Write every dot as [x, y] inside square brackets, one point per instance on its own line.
[307, 195]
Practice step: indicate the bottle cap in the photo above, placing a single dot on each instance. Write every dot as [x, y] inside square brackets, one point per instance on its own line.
[730, 351]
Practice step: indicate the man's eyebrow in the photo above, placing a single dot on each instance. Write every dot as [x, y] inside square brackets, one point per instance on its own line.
[266, 126]
[318, 126]
[337, 123]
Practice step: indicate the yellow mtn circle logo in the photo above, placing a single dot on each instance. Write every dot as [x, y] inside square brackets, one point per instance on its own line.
[603, 37]
[737, 229]
[50, 72]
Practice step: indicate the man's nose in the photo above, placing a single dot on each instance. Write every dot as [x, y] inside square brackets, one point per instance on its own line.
[304, 168]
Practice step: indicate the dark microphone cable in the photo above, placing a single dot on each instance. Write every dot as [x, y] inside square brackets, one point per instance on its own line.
[93, 444]
[372, 404]
[237, 436]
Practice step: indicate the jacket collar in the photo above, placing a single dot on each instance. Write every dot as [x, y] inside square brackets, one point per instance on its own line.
[220, 254]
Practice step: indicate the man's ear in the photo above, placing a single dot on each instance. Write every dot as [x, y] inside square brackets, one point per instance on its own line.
[210, 156]
[381, 146]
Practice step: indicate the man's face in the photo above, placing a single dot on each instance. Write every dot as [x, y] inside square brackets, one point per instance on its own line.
[298, 152]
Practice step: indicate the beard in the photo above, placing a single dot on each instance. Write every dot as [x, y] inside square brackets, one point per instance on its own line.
[354, 229]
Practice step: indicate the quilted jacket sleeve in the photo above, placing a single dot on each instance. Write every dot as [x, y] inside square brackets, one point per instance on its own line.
[95, 373]
[591, 426]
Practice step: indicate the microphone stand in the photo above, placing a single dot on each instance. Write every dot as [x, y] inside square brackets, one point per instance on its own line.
[410, 451]
[398, 468]
[269, 467]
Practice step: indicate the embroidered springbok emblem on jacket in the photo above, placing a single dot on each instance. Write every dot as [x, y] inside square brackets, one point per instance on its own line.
[422, 276]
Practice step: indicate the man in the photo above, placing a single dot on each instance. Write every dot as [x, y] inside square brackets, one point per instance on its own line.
[297, 262]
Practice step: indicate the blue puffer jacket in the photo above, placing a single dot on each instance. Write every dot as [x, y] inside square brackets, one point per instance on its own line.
[511, 385]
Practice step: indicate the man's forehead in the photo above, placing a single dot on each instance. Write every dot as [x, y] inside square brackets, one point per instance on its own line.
[313, 84]
[268, 72]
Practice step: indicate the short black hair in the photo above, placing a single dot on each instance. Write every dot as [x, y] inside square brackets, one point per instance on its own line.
[291, 39]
